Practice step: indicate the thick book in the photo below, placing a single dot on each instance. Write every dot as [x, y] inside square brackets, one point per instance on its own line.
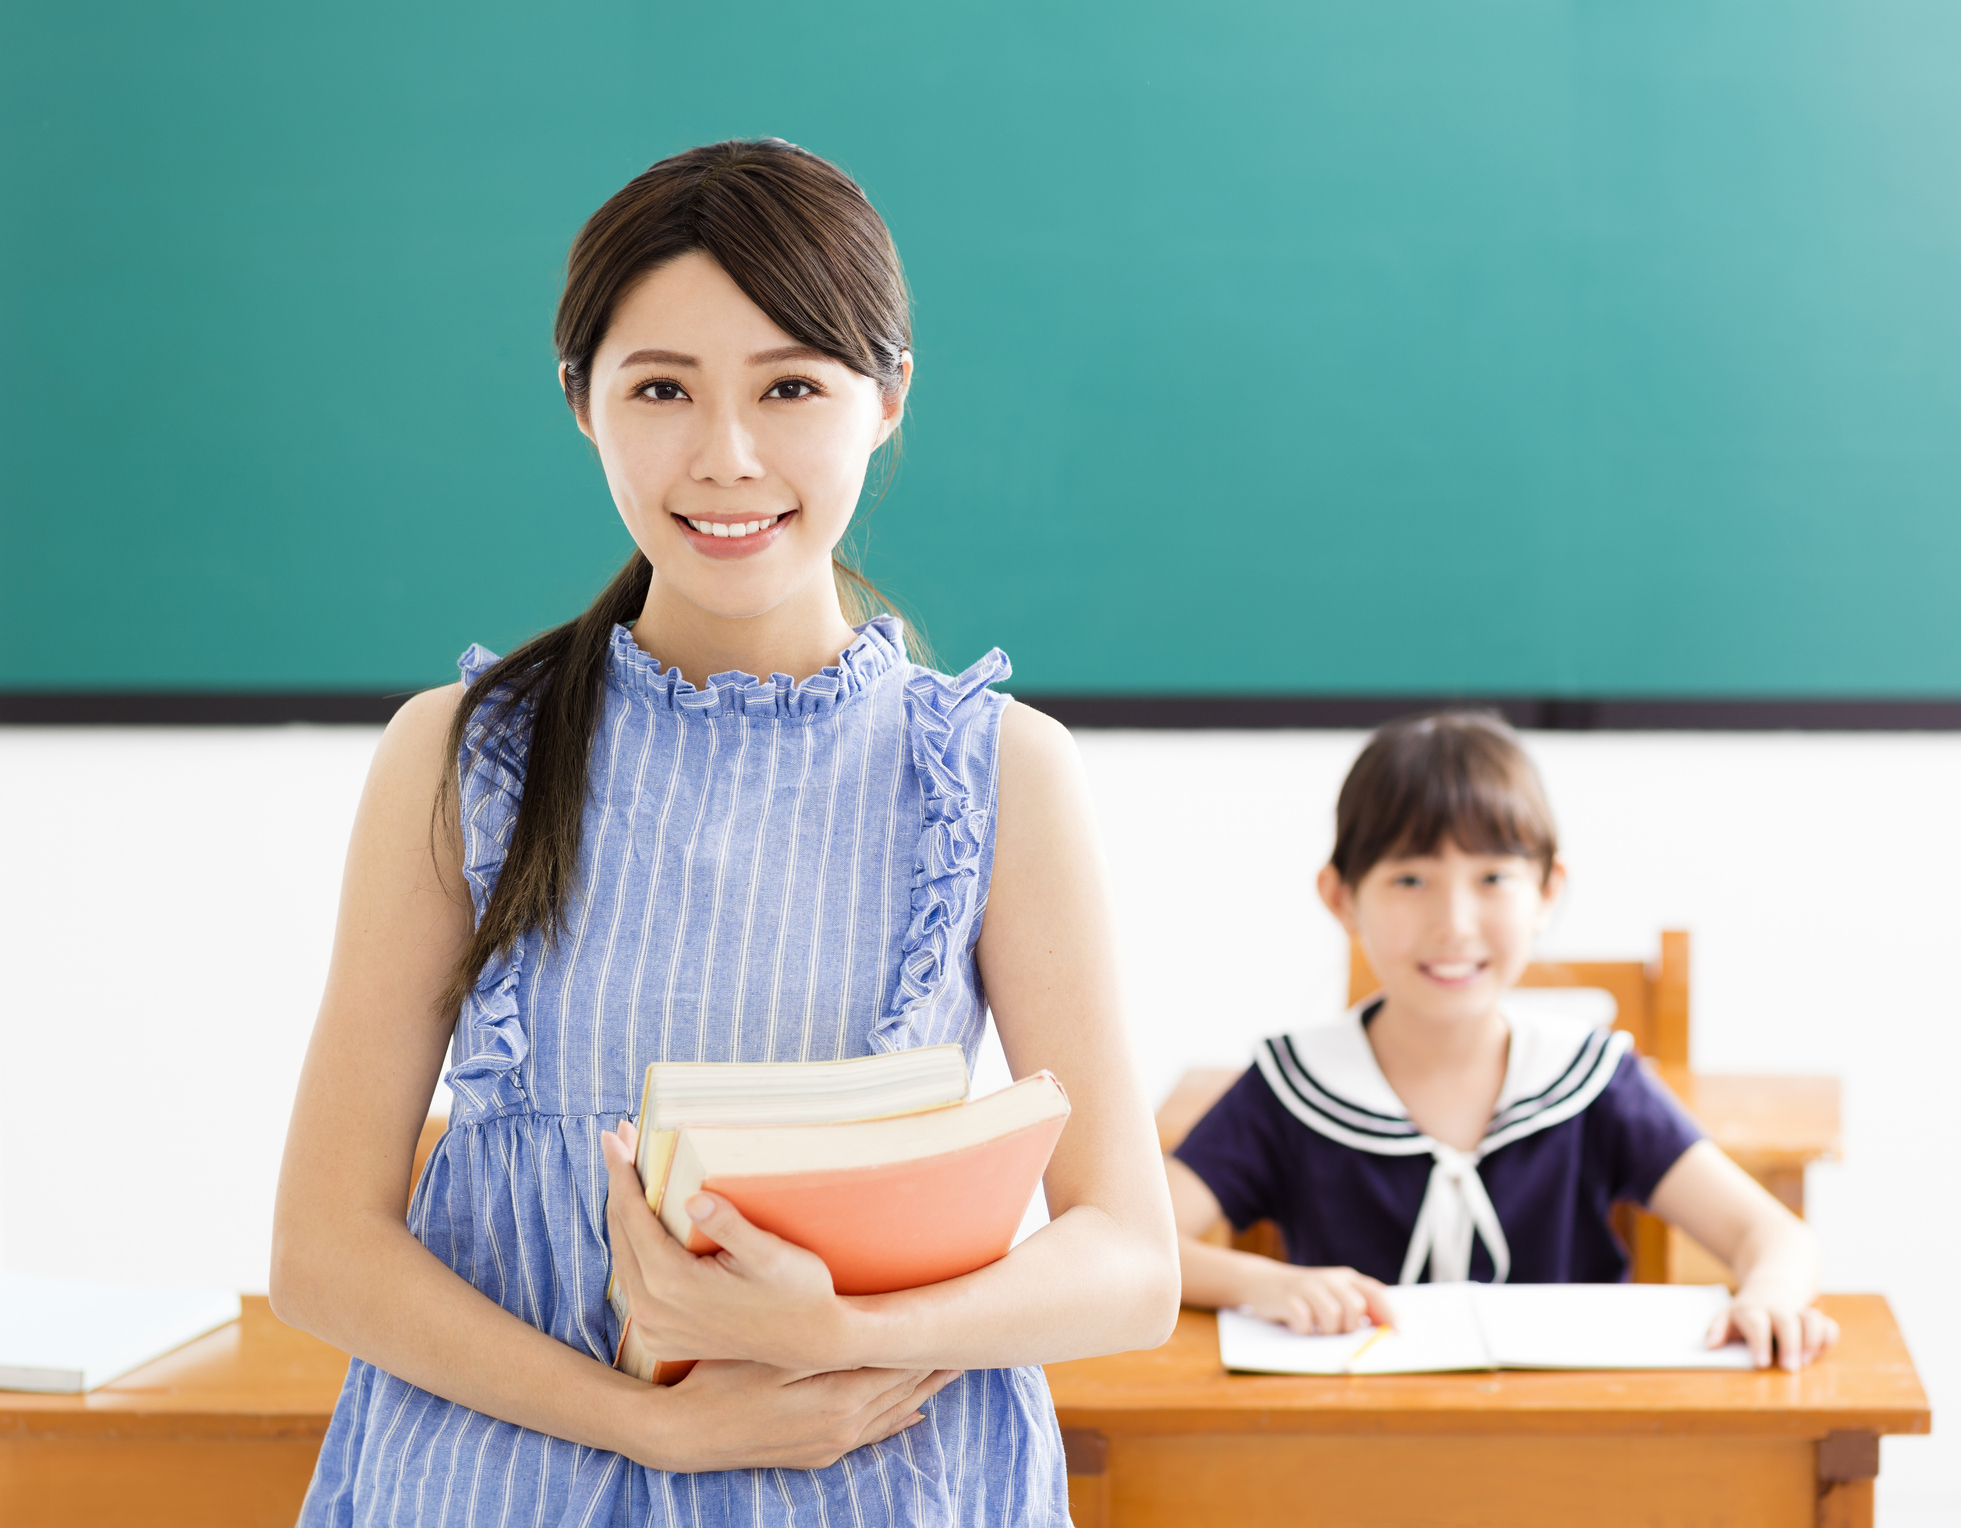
[1443, 1327]
[874, 1164]
[65, 1337]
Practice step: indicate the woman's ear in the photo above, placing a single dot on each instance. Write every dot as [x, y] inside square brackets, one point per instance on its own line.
[1337, 896]
[585, 424]
[893, 405]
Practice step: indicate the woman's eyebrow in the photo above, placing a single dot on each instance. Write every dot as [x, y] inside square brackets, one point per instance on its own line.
[658, 358]
[787, 353]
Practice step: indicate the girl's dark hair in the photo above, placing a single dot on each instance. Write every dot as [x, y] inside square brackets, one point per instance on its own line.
[1457, 775]
[800, 239]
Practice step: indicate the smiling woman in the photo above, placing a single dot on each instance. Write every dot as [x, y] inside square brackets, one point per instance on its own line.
[720, 816]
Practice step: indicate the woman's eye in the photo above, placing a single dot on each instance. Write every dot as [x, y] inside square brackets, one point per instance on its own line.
[663, 392]
[792, 388]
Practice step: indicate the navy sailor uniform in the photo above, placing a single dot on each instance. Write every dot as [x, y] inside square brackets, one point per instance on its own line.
[1315, 1139]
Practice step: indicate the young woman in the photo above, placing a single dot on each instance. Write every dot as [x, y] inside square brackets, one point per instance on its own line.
[1428, 1131]
[642, 852]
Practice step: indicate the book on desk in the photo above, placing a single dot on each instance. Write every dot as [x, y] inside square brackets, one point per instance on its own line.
[1440, 1328]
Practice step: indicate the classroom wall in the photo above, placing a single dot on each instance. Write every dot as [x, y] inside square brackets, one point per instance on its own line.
[1640, 319]
[169, 899]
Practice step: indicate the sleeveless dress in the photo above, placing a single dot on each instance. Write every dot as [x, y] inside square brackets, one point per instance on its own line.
[771, 872]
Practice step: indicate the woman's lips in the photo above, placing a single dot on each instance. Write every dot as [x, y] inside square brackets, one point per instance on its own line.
[726, 537]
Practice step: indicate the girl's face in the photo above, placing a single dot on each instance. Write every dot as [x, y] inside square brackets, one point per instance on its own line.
[735, 454]
[1448, 933]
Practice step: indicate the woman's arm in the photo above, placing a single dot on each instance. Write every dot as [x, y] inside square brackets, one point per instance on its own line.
[1102, 1276]
[1772, 1253]
[1306, 1300]
[345, 1266]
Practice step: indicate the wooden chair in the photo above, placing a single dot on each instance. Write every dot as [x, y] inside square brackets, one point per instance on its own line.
[1774, 1127]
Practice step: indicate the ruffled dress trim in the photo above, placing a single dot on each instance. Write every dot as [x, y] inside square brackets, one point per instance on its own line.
[878, 650]
[947, 885]
[488, 1051]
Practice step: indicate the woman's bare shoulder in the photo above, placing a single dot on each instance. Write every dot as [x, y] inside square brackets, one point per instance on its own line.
[1033, 741]
[1041, 772]
[412, 759]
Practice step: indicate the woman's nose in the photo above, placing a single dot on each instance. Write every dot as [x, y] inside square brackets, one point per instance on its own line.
[726, 453]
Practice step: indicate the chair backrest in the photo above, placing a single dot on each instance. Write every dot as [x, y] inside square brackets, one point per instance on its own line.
[1651, 1002]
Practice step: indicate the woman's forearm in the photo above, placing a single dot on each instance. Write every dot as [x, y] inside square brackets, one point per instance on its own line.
[373, 1290]
[1081, 1286]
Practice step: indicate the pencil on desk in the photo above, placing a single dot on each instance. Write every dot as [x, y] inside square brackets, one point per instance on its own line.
[1379, 1333]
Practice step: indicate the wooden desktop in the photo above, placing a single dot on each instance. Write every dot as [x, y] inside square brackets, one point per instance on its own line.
[1168, 1439]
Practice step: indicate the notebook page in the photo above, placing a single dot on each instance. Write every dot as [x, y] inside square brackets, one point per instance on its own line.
[1605, 1326]
[1260, 1347]
[1436, 1330]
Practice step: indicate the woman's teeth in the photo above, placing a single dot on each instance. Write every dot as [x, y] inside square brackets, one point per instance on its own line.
[738, 528]
[1453, 970]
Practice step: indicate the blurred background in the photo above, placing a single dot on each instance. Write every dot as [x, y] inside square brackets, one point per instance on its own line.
[1282, 366]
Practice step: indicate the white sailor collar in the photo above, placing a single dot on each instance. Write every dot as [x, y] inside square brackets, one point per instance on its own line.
[1327, 1078]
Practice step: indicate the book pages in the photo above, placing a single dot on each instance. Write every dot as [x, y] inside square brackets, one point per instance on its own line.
[1435, 1331]
[1443, 1327]
[1605, 1326]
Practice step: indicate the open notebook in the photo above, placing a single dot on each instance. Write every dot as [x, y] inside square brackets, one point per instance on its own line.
[1440, 1327]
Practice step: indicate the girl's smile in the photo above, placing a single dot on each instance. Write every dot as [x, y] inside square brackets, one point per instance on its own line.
[1453, 973]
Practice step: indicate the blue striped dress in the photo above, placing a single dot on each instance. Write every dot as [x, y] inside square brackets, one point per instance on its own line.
[771, 872]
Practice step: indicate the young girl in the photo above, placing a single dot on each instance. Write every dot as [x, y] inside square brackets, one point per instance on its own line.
[641, 851]
[1429, 1131]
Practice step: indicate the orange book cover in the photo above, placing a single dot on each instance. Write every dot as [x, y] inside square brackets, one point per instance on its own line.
[898, 1225]
[888, 1203]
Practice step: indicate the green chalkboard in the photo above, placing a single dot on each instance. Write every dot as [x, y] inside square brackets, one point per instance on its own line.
[1295, 346]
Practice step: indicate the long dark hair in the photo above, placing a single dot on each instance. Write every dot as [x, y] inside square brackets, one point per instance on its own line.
[800, 239]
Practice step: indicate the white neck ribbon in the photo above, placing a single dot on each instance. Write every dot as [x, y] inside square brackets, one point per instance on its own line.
[1455, 1210]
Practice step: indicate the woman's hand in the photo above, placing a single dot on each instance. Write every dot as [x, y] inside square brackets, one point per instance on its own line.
[1313, 1301]
[1773, 1320]
[759, 1298]
[746, 1416]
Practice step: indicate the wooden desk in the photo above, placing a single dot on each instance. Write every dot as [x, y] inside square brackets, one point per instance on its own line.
[220, 1434]
[223, 1434]
[1167, 1439]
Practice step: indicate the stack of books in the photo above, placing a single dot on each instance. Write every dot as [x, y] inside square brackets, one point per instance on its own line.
[878, 1165]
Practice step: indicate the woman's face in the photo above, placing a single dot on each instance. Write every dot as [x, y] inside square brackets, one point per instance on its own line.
[735, 454]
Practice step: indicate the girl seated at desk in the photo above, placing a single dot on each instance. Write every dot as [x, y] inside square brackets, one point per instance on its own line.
[1430, 1129]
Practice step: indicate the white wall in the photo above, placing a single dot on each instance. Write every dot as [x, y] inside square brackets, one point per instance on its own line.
[167, 898]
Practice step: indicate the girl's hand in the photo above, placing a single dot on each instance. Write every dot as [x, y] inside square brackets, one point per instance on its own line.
[759, 1298]
[1763, 1316]
[744, 1416]
[1316, 1301]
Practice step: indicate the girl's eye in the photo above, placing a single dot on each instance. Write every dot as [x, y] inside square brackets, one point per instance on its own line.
[792, 388]
[1405, 880]
[662, 392]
